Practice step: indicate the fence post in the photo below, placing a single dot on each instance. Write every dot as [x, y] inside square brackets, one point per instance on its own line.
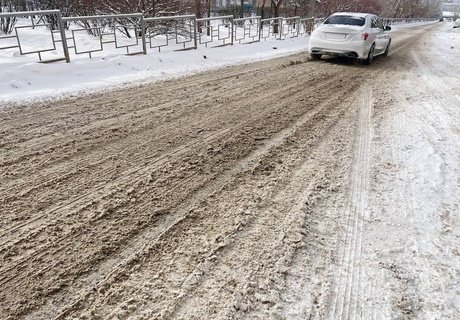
[297, 24]
[195, 26]
[260, 28]
[233, 29]
[63, 36]
[144, 44]
[280, 32]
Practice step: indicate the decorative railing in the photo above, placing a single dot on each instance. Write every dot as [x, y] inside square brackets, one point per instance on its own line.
[136, 33]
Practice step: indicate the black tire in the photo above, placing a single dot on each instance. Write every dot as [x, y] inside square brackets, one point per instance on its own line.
[387, 50]
[315, 56]
[370, 56]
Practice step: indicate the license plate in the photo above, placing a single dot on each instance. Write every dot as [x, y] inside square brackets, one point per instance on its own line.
[336, 36]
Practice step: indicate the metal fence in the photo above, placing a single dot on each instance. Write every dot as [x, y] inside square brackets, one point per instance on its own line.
[306, 26]
[124, 31]
[270, 28]
[38, 20]
[290, 27]
[134, 33]
[247, 30]
[178, 32]
[215, 30]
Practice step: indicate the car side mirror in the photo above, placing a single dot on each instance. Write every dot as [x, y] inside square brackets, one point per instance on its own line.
[387, 28]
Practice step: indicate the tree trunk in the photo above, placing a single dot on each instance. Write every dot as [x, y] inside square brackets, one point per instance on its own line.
[262, 14]
[198, 13]
[208, 24]
[311, 14]
[198, 9]
[276, 7]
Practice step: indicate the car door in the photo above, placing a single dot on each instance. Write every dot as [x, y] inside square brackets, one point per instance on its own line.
[382, 36]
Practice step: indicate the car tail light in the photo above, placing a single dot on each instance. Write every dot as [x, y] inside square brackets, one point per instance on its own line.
[365, 36]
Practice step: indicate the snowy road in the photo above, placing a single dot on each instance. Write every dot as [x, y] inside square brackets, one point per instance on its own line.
[283, 189]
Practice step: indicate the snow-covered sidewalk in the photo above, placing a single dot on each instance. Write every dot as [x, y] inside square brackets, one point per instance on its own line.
[22, 78]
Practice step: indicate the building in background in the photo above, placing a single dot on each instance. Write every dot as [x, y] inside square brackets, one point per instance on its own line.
[451, 9]
[222, 4]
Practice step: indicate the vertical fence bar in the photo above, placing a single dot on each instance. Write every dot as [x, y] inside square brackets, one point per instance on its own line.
[233, 29]
[260, 28]
[280, 29]
[195, 32]
[144, 43]
[63, 36]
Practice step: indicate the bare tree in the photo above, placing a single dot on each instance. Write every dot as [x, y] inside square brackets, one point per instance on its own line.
[327, 7]
[263, 8]
[387, 8]
[7, 24]
[276, 7]
[149, 8]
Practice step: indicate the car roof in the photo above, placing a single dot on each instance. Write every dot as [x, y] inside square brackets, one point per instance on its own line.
[353, 14]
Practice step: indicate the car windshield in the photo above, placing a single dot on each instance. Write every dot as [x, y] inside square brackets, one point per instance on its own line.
[346, 20]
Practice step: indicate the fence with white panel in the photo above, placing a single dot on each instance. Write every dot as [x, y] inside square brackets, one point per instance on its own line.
[55, 38]
[136, 34]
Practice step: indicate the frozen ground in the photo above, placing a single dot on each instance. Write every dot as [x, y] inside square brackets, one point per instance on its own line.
[281, 189]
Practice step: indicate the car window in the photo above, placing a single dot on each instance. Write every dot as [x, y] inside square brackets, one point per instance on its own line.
[346, 20]
[374, 23]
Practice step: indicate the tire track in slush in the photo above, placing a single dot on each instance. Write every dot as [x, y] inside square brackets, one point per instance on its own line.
[349, 286]
[99, 186]
[286, 134]
[108, 173]
[98, 191]
[168, 88]
[303, 92]
[142, 243]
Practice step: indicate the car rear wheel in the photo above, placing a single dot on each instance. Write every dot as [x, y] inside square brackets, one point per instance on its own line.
[370, 56]
[385, 54]
[315, 56]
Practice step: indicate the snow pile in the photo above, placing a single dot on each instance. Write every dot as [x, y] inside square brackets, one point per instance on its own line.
[22, 78]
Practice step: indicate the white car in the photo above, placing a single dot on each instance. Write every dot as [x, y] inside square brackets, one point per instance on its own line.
[360, 36]
[457, 23]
